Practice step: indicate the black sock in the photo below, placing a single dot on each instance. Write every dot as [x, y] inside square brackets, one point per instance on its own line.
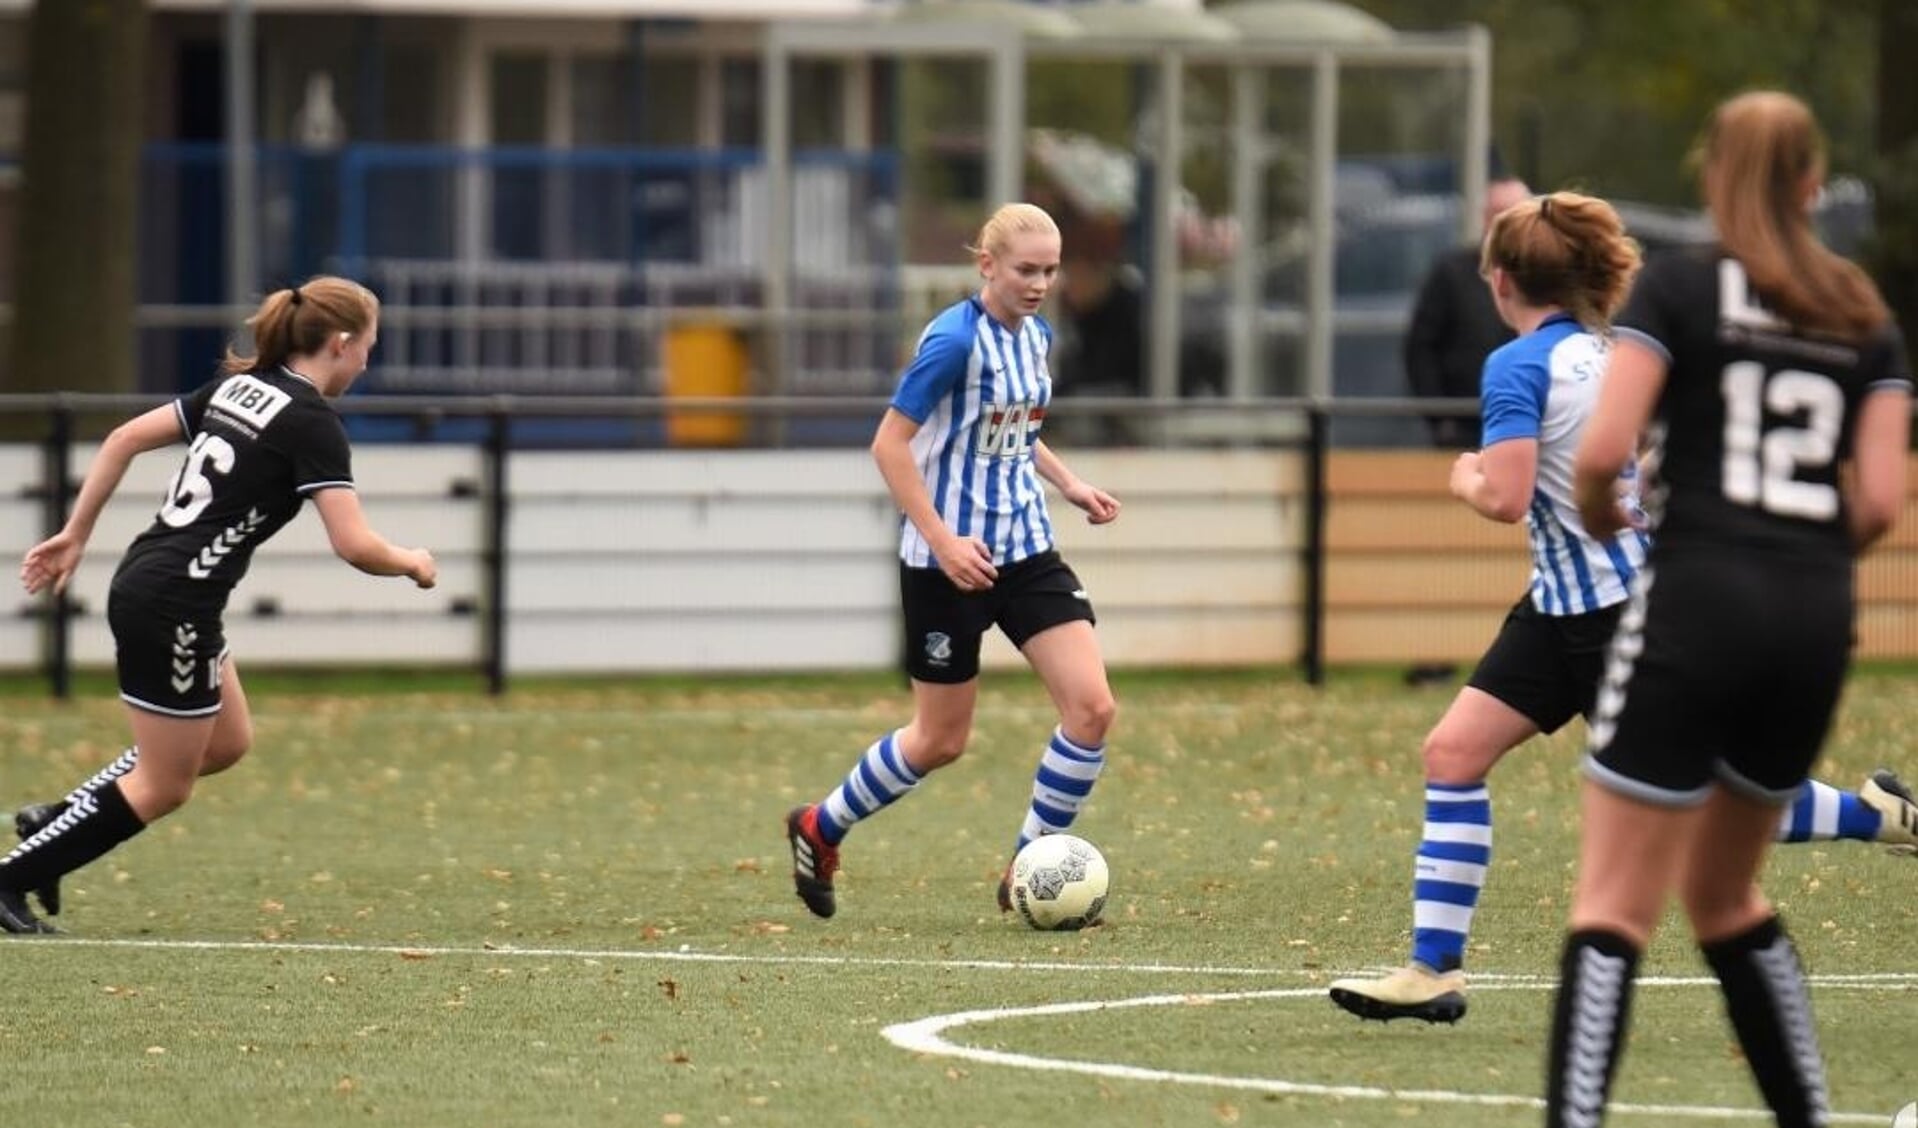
[1589, 1020]
[88, 828]
[121, 765]
[1765, 997]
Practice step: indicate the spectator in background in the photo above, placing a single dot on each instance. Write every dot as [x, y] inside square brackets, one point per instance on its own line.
[1100, 349]
[1455, 327]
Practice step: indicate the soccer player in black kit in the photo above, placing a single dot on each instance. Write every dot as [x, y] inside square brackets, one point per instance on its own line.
[1778, 398]
[263, 440]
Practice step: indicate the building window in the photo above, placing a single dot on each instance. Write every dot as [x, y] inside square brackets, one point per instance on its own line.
[818, 100]
[519, 99]
[739, 102]
[669, 101]
[13, 79]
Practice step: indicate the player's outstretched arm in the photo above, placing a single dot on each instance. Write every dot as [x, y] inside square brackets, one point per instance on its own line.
[355, 542]
[1100, 506]
[53, 561]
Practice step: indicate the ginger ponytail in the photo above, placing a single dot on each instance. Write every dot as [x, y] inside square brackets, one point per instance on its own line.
[297, 322]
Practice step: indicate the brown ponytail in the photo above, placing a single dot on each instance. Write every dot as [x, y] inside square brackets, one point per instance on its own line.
[1762, 157]
[1565, 250]
[298, 321]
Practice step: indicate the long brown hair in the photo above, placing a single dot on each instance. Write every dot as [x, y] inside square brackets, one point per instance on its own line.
[1761, 157]
[1565, 250]
[297, 322]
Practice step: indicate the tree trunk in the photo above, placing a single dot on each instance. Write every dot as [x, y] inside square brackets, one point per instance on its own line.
[1895, 262]
[74, 290]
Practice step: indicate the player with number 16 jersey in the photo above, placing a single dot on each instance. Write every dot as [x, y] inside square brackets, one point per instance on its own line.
[262, 441]
[261, 444]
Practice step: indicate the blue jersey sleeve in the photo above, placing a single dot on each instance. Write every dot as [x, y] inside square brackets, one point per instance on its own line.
[1512, 394]
[936, 368]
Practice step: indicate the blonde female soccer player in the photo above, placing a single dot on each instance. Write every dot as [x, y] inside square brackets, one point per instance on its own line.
[959, 449]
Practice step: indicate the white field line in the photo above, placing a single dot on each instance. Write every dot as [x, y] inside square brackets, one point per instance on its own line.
[626, 715]
[674, 955]
[1488, 981]
[927, 1036]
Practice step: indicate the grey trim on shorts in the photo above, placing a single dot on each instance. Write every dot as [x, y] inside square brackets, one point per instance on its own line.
[1625, 785]
[1751, 789]
[161, 710]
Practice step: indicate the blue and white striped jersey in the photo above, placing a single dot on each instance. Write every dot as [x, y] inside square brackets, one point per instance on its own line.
[979, 392]
[1543, 386]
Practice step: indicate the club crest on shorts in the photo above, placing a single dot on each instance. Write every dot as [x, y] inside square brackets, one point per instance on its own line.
[938, 647]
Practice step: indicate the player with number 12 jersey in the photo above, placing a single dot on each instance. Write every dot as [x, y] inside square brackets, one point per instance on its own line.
[1752, 456]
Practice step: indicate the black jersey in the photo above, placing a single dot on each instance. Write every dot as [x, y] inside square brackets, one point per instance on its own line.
[261, 443]
[1756, 414]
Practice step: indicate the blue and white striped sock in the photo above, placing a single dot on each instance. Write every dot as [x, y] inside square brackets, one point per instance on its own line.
[880, 778]
[1820, 812]
[1449, 872]
[1060, 787]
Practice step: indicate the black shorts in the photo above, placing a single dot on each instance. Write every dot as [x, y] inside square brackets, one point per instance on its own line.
[1547, 666]
[169, 663]
[1727, 667]
[945, 625]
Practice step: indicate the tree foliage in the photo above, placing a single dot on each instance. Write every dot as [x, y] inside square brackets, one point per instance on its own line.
[1609, 95]
[1895, 250]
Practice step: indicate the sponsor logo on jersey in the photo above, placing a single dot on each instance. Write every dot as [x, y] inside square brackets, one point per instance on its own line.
[1008, 430]
[249, 400]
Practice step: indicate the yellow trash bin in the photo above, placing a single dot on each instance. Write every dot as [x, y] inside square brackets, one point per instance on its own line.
[704, 359]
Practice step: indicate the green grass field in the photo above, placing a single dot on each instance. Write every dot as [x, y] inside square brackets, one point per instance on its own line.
[418, 906]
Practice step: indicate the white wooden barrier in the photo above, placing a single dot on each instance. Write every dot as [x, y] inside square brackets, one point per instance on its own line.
[629, 561]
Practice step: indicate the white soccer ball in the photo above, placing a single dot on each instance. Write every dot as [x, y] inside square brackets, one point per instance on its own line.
[1059, 882]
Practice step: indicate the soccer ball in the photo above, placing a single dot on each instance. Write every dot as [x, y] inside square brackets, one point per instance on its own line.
[1059, 883]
